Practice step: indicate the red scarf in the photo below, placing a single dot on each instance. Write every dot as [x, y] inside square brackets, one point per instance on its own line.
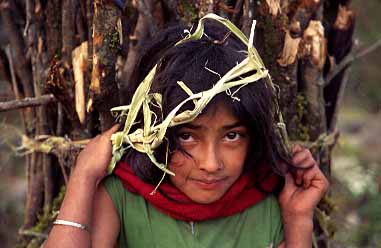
[171, 201]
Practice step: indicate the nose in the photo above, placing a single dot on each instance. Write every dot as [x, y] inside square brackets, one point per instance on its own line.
[209, 158]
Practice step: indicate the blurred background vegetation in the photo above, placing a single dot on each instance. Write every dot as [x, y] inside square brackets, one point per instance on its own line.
[356, 162]
[356, 184]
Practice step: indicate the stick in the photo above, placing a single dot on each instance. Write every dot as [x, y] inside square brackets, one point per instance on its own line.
[14, 85]
[26, 102]
[237, 11]
[349, 59]
[146, 8]
[32, 233]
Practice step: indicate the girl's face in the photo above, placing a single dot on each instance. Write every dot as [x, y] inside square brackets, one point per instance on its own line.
[218, 144]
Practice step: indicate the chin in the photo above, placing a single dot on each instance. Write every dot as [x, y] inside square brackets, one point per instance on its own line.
[207, 199]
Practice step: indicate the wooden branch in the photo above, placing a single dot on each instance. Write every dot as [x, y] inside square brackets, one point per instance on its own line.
[205, 7]
[79, 56]
[237, 11]
[32, 233]
[247, 17]
[126, 29]
[311, 81]
[22, 67]
[5, 70]
[145, 7]
[89, 20]
[340, 69]
[49, 144]
[170, 12]
[340, 41]
[349, 59]
[42, 171]
[332, 127]
[290, 50]
[80, 24]
[269, 40]
[53, 28]
[225, 9]
[26, 102]
[140, 35]
[274, 7]
[64, 149]
[34, 197]
[312, 89]
[60, 120]
[15, 85]
[58, 86]
[29, 6]
[68, 29]
[103, 88]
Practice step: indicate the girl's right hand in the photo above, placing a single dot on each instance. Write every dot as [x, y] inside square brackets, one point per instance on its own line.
[92, 162]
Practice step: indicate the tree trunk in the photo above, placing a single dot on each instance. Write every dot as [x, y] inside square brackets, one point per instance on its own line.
[79, 51]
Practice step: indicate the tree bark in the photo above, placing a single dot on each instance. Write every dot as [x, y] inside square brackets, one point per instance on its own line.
[105, 49]
[304, 43]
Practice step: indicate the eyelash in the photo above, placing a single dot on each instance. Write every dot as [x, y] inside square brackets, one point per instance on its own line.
[237, 136]
[181, 136]
[188, 135]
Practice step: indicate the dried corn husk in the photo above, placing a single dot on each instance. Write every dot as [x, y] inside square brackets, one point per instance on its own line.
[152, 135]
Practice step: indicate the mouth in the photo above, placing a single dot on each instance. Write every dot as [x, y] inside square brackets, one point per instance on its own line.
[208, 184]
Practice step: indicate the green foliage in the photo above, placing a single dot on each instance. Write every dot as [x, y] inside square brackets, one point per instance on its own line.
[45, 220]
[50, 212]
[112, 39]
[323, 215]
[363, 85]
[302, 129]
[189, 13]
[356, 181]
[370, 232]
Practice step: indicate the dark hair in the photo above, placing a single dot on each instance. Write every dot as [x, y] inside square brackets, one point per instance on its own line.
[219, 51]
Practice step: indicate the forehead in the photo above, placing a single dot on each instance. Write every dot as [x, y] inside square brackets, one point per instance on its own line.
[217, 115]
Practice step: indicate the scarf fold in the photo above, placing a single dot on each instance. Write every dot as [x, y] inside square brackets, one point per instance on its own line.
[171, 201]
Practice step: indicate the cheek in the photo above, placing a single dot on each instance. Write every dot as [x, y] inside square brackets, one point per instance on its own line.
[235, 160]
[181, 165]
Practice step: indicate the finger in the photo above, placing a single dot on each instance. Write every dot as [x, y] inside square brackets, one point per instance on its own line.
[309, 176]
[316, 179]
[305, 164]
[300, 169]
[296, 148]
[93, 140]
[298, 175]
[107, 134]
[289, 184]
[301, 157]
[113, 129]
[289, 180]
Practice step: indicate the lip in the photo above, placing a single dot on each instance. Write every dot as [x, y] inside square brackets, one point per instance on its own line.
[208, 184]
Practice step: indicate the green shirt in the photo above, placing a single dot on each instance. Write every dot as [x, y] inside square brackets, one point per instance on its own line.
[142, 225]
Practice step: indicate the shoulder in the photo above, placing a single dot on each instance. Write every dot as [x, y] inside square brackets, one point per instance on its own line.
[122, 199]
[265, 220]
[268, 206]
[105, 225]
[267, 210]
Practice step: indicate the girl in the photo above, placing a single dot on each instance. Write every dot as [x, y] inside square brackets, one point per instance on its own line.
[223, 191]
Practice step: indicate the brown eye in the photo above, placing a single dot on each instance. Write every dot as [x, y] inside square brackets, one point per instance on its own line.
[185, 137]
[232, 136]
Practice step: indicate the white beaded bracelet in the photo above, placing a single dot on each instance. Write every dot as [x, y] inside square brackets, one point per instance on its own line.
[71, 223]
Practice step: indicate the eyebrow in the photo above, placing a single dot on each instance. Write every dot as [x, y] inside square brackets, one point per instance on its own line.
[226, 127]
[233, 125]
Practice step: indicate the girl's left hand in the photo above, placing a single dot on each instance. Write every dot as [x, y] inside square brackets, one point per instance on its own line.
[304, 186]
